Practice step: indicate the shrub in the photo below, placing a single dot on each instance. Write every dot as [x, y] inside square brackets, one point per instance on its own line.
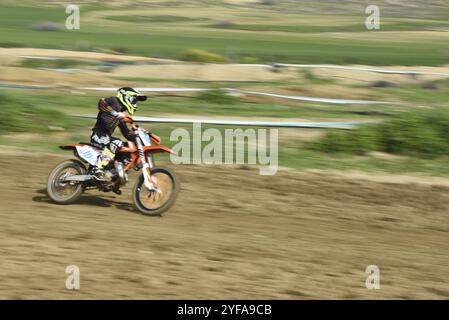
[347, 142]
[415, 134]
[217, 96]
[53, 63]
[422, 134]
[47, 26]
[198, 55]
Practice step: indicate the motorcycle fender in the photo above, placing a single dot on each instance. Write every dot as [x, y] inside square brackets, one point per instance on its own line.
[88, 154]
[157, 149]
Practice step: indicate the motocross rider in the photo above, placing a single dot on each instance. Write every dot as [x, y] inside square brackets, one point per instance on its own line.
[113, 112]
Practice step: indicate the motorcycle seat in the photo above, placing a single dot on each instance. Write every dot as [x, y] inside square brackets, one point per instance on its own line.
[89, 144]
[125, 144]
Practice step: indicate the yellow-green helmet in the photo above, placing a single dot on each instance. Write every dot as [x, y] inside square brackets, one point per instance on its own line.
[129, 98]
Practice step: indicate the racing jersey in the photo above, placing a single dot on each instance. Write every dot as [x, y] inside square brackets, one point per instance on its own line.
[107, 122]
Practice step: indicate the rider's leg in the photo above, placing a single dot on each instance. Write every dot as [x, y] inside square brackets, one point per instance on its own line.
[106, 156]
[101, 140]
[115, 145]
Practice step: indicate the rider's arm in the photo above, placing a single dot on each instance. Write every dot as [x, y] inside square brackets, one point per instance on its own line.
[128, 134]
[104, 106]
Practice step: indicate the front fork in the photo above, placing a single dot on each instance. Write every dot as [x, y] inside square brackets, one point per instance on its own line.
[147, 165]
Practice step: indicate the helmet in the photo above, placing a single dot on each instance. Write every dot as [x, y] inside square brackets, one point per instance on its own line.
[129, 97]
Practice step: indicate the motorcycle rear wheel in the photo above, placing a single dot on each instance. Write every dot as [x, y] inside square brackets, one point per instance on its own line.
[65, 192]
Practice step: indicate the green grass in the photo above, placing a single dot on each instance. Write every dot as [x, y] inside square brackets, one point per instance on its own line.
[421, 95]
[416, 134]
[16, 115]
[199, 106]
[217, 96]
[387, 25]
[56, 63]
[303, 49]
[159, 40]
[36, 113]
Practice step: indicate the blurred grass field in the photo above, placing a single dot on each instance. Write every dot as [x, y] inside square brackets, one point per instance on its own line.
[41, 121]
[238, 33]
[247, 32]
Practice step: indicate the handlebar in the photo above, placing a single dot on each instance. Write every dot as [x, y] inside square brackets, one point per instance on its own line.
[155, 138]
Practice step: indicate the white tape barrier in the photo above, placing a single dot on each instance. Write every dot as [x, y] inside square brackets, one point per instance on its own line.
[39, 57]
[312, 99]
[302, 98]
[286, 124]
[63, 69]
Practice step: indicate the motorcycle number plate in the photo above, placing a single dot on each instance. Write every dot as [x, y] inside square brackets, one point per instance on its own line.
[88, 153]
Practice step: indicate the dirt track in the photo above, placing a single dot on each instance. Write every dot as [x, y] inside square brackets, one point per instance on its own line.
[232, 234]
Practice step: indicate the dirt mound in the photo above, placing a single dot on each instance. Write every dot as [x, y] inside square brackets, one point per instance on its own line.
[232, 234]
[76, 55]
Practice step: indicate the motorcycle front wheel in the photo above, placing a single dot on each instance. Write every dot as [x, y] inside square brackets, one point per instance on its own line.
[154, 203]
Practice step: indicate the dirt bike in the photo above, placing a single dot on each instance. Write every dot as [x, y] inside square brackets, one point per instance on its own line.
[154, 192]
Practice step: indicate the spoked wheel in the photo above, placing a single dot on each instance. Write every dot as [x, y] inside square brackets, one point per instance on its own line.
[154, 203]
[61, 191]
